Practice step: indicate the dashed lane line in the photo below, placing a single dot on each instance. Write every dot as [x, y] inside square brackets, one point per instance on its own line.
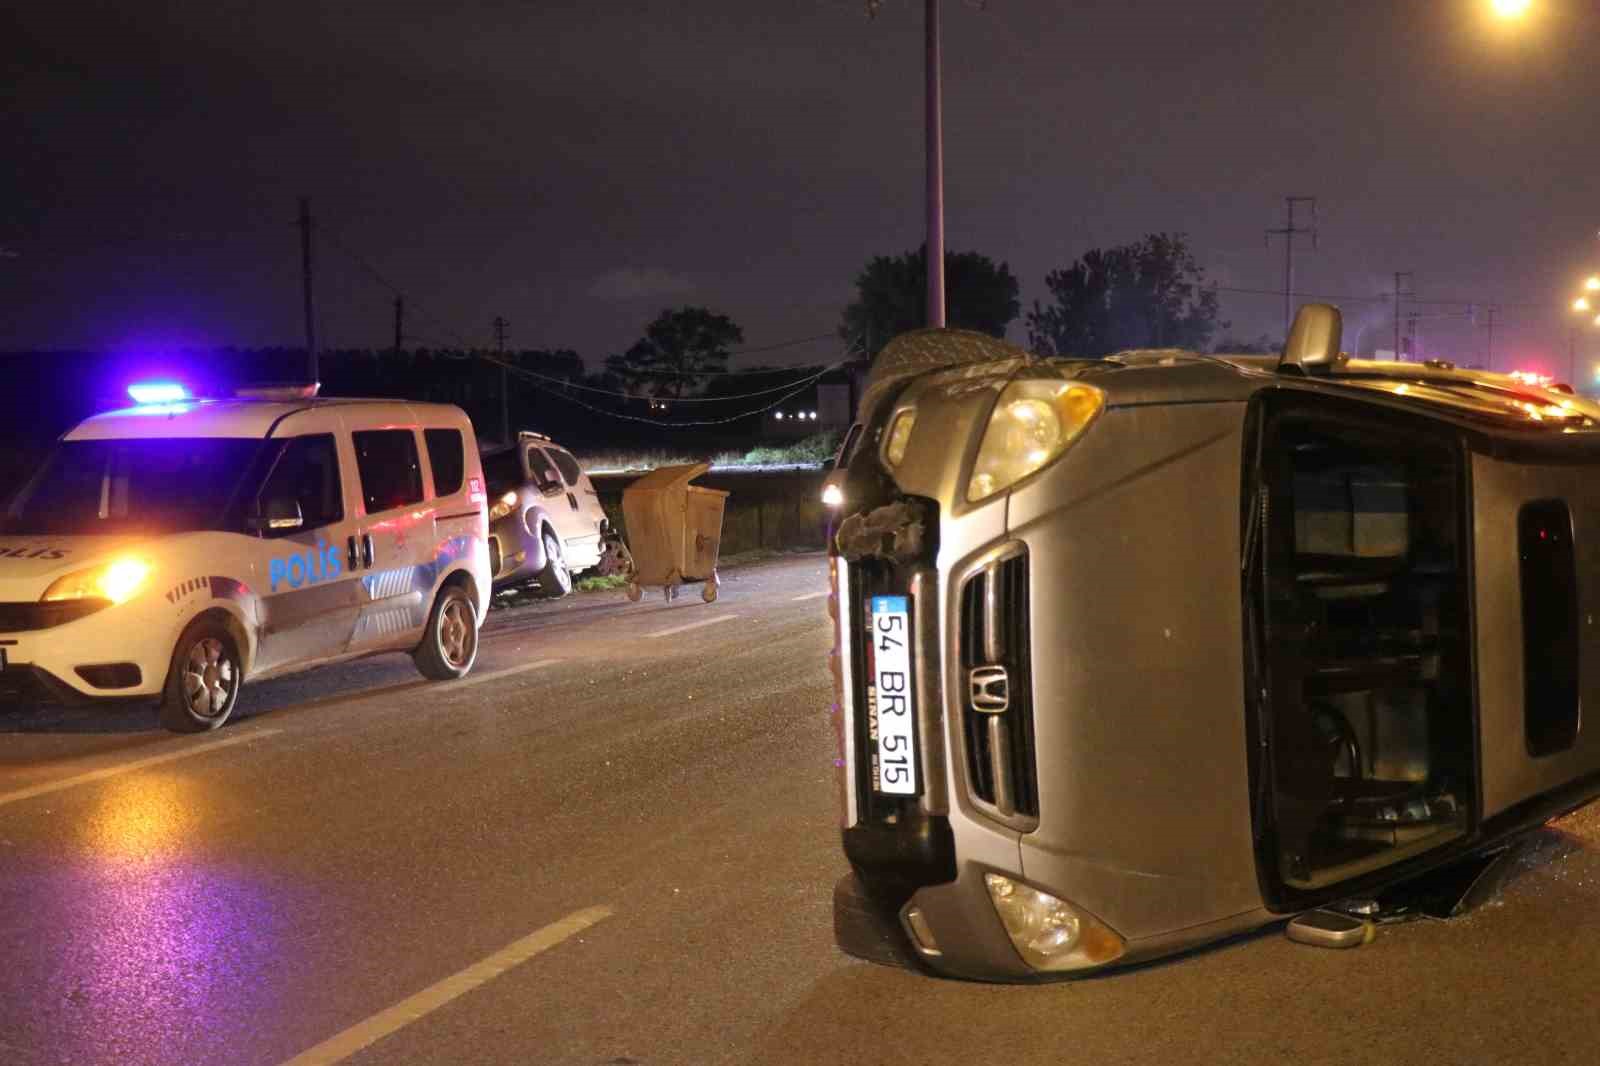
[364, 1034]
[692, 625]
[810, 596]
[101, 774]
[495, 675]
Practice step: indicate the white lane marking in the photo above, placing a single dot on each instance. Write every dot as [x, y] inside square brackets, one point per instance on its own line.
[496, 675]
[691, 625]
[810, 596]
[363, 1034]
[131, 767]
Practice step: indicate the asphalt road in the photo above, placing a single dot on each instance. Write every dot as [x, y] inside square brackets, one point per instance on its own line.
[616, 844]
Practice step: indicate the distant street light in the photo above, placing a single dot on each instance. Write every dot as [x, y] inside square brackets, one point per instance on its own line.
[1580, 304]
[1512, 9]
[1593, 284]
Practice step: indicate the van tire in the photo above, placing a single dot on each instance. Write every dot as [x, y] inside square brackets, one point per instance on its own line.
[204, 679]
[450, 643]
[555, 580]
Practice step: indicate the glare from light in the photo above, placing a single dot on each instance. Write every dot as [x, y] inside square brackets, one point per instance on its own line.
[1593, 284]
[1512, 9]
[832, 496]
[1581, 304]
[151, 392]
[123, 578]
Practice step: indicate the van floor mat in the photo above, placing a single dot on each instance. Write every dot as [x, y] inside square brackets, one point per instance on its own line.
[1441, 894]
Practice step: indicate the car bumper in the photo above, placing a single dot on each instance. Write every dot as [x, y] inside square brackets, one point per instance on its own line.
[116, 653]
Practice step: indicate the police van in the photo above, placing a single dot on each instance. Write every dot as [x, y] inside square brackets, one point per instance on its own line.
[182, 547]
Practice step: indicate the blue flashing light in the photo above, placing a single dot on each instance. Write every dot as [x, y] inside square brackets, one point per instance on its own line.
[154, 392]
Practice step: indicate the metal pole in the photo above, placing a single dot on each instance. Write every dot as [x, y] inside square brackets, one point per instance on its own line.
[500, 325]
[1288, 274]
[305, 279]
[935, 137]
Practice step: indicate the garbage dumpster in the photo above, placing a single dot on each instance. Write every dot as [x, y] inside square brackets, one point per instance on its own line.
[674, 530]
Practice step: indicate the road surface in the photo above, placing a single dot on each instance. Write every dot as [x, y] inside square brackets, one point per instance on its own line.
[616, 843]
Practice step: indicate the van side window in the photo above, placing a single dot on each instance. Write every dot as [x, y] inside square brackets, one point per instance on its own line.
[307, 472]
[544, 471]
[391, 475]
[448, 457]
[570, 470]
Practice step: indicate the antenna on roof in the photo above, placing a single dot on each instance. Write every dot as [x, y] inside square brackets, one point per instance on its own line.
[281, 393]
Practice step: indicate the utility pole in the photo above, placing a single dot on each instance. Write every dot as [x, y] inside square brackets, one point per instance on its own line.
[500, 325]
[399, 324]
[312, 374]
[935, 138]
[1289, 233]
[1402, 280]
[1489, 357]
[1411, 334]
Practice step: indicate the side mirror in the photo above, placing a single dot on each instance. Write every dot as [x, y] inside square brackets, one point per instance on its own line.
[1314, 341]
[279, 516]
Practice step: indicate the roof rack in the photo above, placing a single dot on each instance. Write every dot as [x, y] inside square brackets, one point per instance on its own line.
[281, 392]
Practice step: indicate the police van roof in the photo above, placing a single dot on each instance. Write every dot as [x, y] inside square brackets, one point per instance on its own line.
[228, 418]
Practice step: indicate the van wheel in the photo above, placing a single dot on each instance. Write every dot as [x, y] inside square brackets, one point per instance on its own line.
[203, 682]
[450, 644]
[555, 579]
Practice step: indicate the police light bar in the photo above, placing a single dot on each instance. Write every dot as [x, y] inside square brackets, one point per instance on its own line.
[150, 392]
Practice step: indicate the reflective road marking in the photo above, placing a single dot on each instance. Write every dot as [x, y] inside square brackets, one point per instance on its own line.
[810, 596]
[692, 625]
[495, 675]
[363, 1034]
[131, 767]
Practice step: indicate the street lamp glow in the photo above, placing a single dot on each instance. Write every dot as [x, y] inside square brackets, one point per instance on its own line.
[1512, 9]
[1593, 284]
[1580, 304]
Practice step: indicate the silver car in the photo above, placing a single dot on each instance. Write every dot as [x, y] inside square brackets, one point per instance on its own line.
[1134, 654]
[545, 518]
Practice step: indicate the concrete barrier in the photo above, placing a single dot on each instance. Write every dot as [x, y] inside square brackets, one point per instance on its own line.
[775, 509]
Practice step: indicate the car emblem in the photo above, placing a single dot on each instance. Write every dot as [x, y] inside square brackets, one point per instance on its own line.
[990, 688]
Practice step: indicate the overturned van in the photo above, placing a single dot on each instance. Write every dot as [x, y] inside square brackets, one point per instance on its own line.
[1137, 653]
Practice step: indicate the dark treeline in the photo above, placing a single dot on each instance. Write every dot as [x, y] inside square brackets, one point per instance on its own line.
[45, 393]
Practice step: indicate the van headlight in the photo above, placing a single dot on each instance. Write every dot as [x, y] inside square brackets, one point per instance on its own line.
[117, 581]
[1033, 422]
[1050, 934]
[502, 506]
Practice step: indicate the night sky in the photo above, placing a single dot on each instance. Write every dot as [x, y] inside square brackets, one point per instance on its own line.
[577, 167]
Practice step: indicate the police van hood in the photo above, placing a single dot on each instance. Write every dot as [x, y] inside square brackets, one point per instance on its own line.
[30, 563]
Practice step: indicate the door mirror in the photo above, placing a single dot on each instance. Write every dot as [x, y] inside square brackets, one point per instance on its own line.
[276, 516]
[1313, 344]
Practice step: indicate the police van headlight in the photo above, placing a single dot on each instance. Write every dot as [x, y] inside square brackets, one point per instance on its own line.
[1050, 934]
[1032, 424]
[117, 581]
[502, 506]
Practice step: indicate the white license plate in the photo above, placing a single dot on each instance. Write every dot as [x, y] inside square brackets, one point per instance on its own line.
[892, 718]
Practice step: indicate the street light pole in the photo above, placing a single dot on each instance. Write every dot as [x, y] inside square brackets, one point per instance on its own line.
[935, 138]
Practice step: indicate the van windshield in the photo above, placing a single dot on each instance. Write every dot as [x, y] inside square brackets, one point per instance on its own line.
[167, 485]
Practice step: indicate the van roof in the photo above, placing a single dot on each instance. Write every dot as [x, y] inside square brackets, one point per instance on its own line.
[231, 418]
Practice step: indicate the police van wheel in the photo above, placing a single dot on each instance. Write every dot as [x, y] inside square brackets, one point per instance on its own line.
[555, 579]
[203, 683]
[450, 645]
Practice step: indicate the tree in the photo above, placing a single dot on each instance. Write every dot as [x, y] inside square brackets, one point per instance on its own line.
[1149, 294]
[677, 349]
[892, 297]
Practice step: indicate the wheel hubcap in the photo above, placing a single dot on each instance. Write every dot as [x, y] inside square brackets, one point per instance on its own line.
[455, 634]
[208, 678]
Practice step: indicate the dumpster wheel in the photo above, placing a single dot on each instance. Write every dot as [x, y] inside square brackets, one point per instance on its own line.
[708, 591]
[635, 593]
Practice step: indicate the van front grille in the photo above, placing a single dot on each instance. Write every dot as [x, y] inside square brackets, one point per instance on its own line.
[997, 689]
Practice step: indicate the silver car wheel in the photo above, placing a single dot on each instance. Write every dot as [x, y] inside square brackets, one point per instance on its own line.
[209, 679]
[457, 634]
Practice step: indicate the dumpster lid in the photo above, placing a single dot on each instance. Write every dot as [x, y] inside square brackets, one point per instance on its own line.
[669, 477]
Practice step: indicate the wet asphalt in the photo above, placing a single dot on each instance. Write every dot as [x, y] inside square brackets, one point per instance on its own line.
[359, 840]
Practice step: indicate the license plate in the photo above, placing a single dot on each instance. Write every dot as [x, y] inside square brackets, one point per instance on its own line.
[890, 714]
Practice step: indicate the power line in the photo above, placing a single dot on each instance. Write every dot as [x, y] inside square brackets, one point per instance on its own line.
[674, 425]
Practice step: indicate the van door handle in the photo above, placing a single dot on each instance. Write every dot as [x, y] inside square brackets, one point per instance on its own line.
[366, 550]
[572, 500]
[355, 559]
